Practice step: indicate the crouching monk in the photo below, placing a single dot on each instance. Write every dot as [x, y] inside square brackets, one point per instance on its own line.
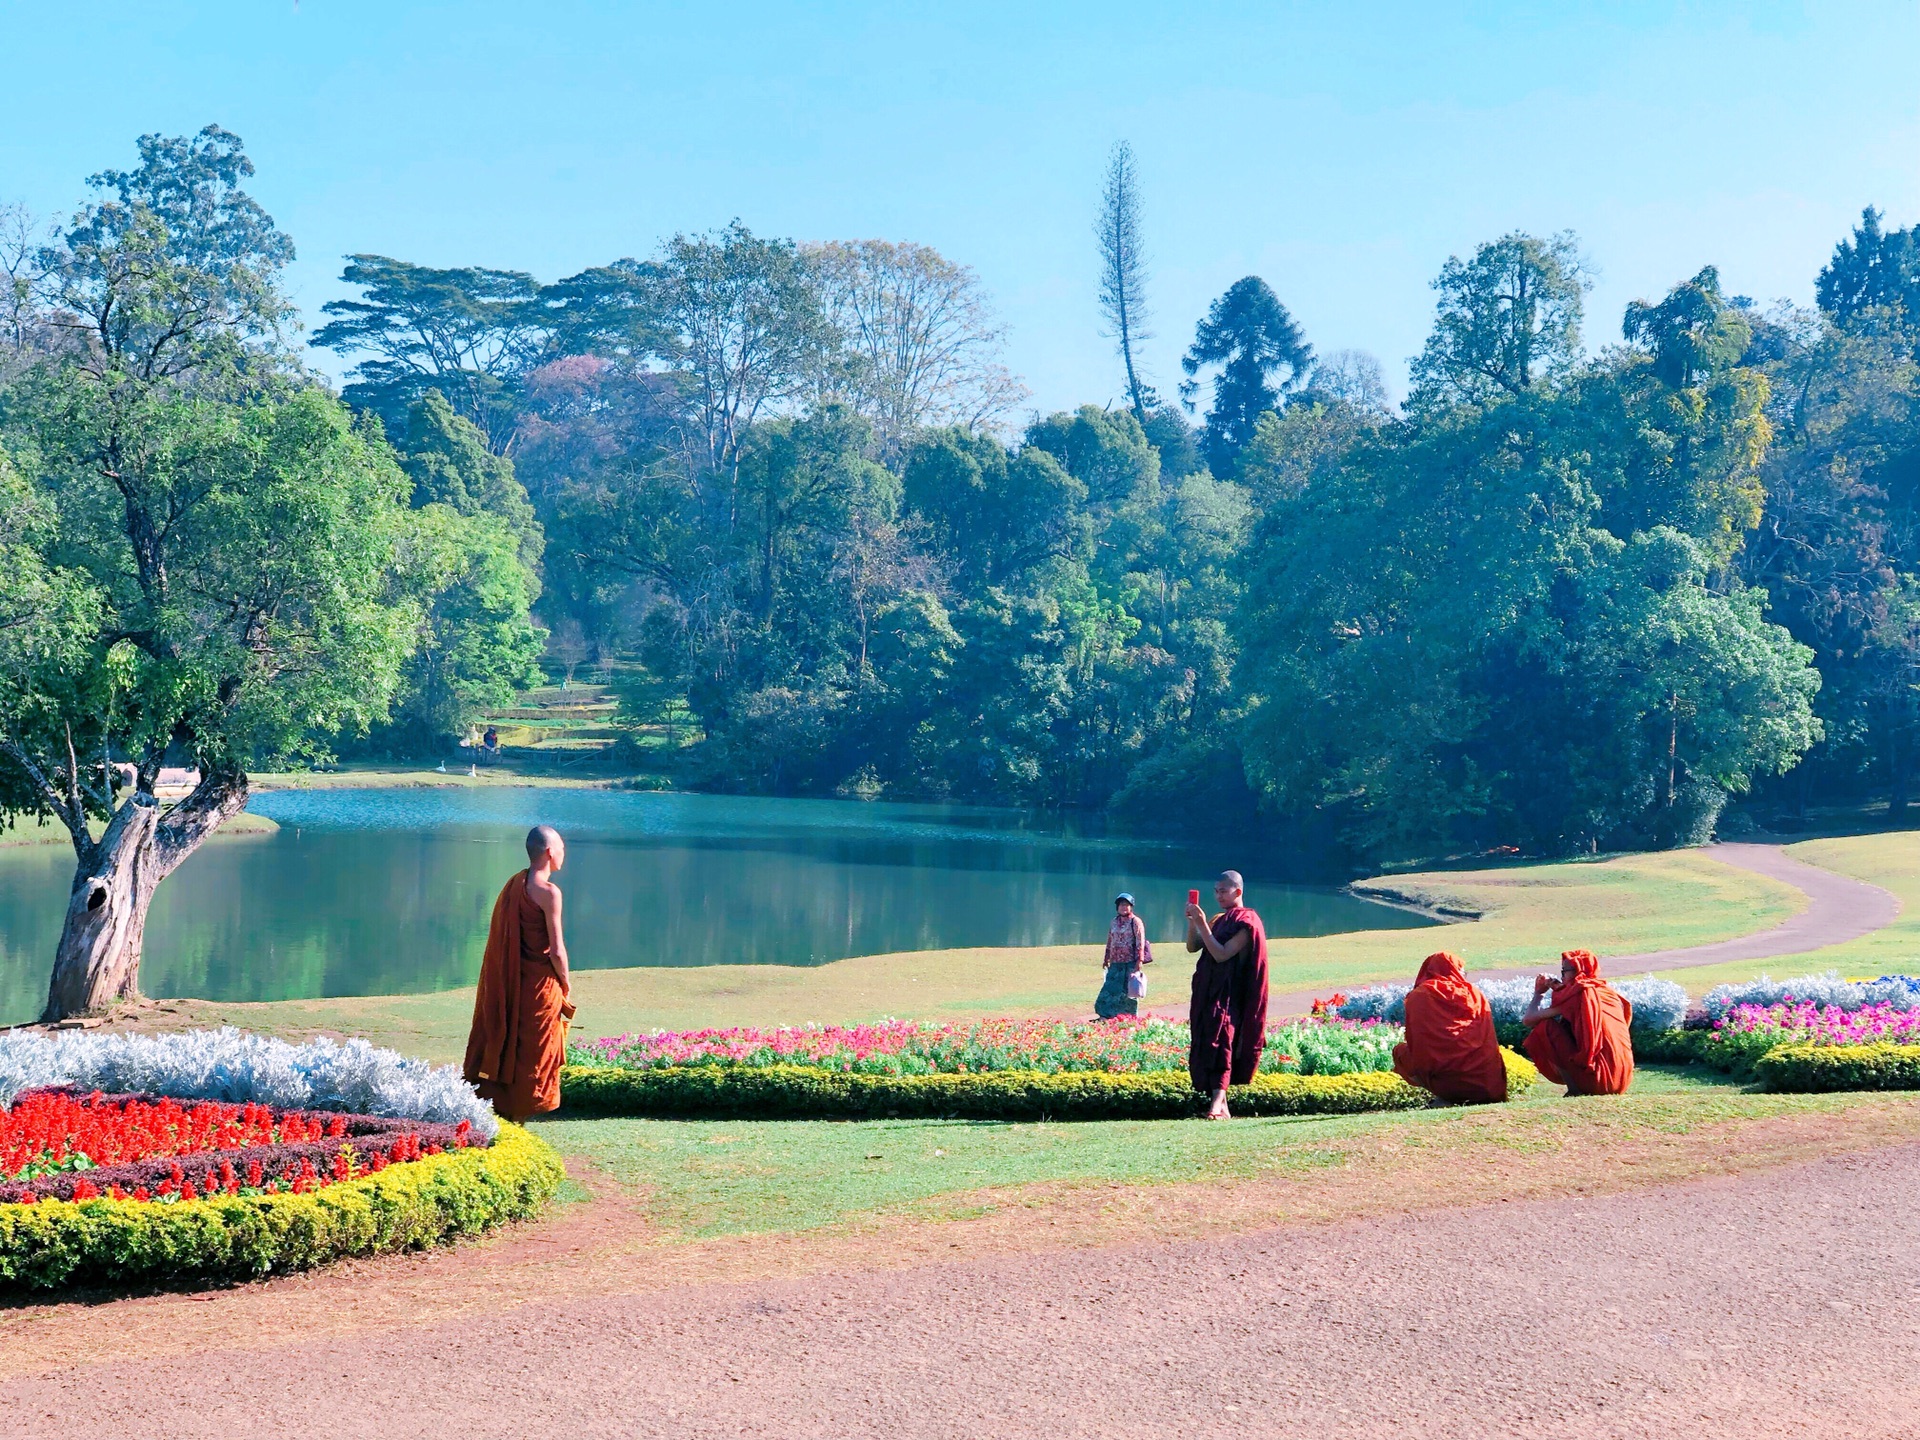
[523, 1002]
[1228, 1013]
[1577, 1030]
[1450, 1047]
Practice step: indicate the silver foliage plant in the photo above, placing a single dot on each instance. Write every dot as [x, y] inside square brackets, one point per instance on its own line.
[241, 1068]
[1900, 991]
[1657, 1004]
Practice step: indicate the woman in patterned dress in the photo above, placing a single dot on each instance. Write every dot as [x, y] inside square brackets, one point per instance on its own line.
[1127, 951]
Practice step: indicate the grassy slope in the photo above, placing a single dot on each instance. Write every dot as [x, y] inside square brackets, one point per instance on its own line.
[1633, 903]
[718, 1178]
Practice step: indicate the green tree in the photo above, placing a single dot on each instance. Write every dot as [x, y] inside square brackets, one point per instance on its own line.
[1507, 319]
[233, 533]
[1262, 357]
[447, 459]
[1873, 271]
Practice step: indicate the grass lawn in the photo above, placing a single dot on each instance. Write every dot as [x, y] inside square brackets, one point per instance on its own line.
[703, 1180]
[29, 830]
[1531, 912]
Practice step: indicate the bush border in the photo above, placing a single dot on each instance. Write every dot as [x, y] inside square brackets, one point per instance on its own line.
[1800, 1067]
[407, 1206]
[801, 1092]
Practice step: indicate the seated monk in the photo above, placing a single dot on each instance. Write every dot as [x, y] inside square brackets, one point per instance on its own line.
[1450, 1047]
[1577, 1029]
[523, 1001]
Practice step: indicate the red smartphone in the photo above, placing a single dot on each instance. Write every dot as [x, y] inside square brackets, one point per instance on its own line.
[1193, 897]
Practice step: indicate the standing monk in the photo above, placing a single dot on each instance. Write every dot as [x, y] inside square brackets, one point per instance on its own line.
[1577, 1030]
[1450, 1047]
[523, 1002]
[1228, 1014]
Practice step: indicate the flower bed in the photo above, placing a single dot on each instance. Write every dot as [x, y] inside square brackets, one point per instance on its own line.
[1899, 992]
[410, 1206]
[218, 1173]
[905, 1048]
[58, 1144]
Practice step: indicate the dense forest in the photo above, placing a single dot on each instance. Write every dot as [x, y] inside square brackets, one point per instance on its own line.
[1563, 598]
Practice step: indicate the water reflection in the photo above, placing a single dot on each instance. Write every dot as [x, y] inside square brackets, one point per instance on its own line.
[383, 891]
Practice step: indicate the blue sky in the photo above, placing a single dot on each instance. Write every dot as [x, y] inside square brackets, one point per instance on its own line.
[1342, 151]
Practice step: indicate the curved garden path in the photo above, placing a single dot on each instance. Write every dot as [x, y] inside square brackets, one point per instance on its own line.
[1768, 1304]
[1839, 909]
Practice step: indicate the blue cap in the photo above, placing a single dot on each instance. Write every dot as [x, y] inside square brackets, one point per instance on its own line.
[1123, 895]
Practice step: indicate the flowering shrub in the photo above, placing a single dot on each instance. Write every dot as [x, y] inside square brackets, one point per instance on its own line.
[1123, 1045]
[1902, 992]
[240, 1068]
[56, 1144]
[1657, 1004]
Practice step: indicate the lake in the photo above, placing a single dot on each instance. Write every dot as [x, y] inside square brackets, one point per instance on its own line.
[369, 892]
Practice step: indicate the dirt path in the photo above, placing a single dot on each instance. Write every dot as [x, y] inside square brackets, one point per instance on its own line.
[1671, 1311]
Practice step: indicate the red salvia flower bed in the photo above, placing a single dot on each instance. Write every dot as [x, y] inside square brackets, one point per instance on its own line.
[60, 1144]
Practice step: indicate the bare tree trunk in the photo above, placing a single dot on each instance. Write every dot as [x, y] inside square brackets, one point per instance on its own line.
[98, 961]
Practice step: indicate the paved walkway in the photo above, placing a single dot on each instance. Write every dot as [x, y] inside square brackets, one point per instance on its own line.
[1773, 1305]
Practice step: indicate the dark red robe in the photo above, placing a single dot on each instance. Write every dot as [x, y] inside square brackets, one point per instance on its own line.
[1228, 1013]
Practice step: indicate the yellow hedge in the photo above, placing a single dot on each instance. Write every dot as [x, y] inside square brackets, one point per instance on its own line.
[408, 1206]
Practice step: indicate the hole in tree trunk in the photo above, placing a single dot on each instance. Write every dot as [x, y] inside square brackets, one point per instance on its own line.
[97, 898]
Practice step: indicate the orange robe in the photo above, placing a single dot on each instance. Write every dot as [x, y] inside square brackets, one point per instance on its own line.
[1584, 1043]
[519, 1037]
[1450, 1047]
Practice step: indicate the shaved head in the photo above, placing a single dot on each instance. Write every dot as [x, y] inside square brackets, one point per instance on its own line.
[542, 840]
[1229, 878]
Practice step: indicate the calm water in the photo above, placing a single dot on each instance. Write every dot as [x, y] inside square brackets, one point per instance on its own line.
[368, 892]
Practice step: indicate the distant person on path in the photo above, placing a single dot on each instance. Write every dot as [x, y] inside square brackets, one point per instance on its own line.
[1450, 1047]
[490, 742]
[1228, 1013]
[1128, 949]
[1577, 1029]
[523, 1001]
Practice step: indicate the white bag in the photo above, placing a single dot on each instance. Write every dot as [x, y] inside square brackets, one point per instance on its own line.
[1137, 984]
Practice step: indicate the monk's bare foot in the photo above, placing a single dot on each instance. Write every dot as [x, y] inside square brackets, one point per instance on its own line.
[1218, 1110]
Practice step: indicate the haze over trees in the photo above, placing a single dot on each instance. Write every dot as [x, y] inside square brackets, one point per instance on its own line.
[1590, 582]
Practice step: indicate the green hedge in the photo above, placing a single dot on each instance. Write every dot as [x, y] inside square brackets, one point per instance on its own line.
[799, 1092]
[404, 1207]
[1808, 1068]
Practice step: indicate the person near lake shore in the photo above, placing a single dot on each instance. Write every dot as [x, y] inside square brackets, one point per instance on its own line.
[524, 999]
[1577, 1029]
[1450, 1047]
[1227, 1016]
[1128, 949]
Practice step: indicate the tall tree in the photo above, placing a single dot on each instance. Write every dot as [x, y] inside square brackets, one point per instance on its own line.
[1262, 358]
[234, 533]
[1506, 319]
[1873, 269]
[745, 328]
[919, 344]
[470, 333]
[1123, 272]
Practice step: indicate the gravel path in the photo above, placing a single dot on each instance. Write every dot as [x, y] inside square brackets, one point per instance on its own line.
[1779, 1305]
